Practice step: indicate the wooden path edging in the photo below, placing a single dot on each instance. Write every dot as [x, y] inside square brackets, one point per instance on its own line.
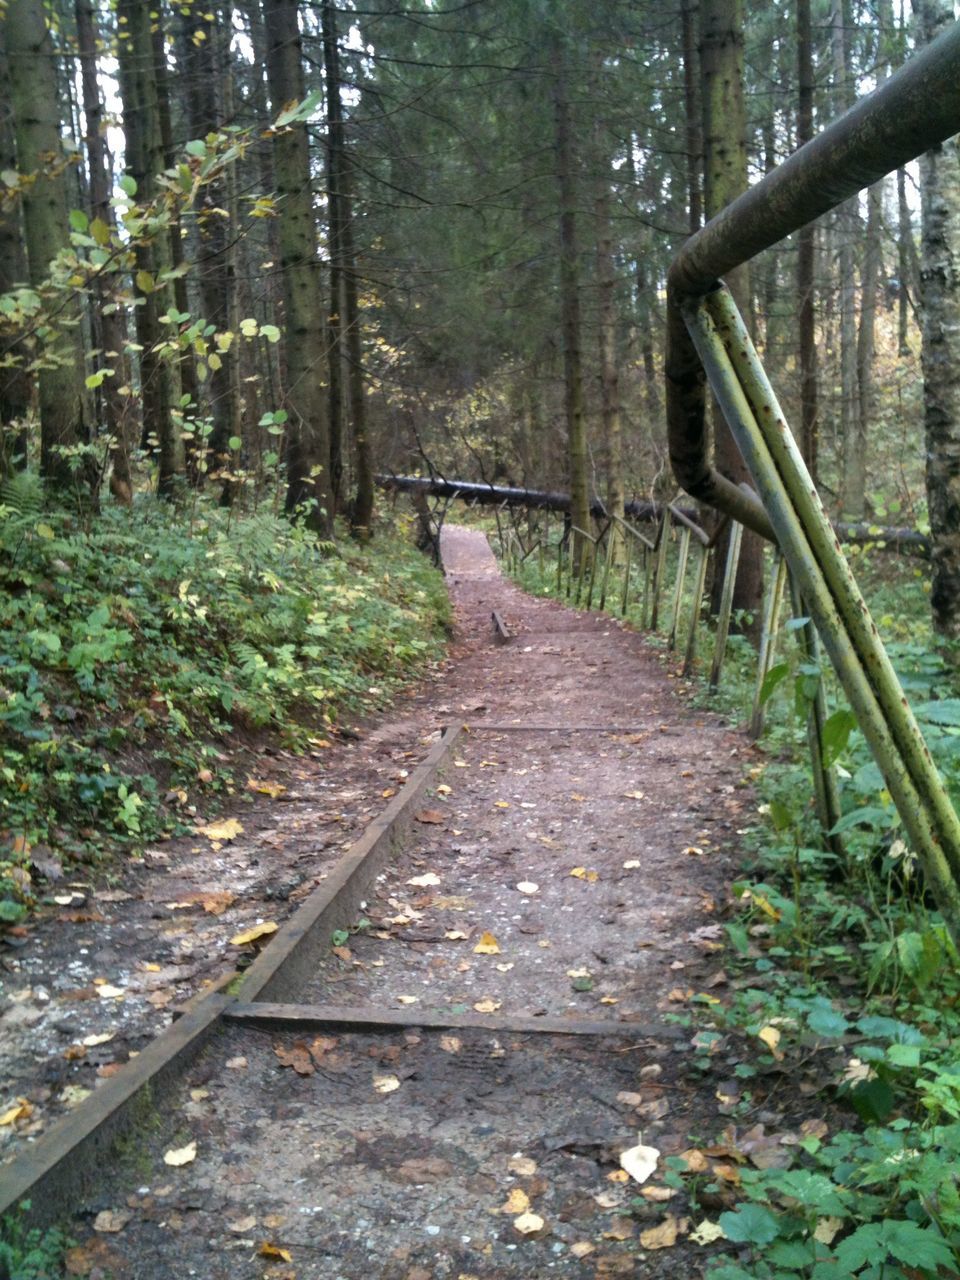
[62, 1165]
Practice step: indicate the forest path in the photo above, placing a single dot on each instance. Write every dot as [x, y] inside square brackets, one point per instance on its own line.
[568, 863]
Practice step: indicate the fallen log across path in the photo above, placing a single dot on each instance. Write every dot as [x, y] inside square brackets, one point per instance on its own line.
[903, 541]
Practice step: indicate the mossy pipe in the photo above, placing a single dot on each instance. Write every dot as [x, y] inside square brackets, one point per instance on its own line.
[819, 600]
[823, 541]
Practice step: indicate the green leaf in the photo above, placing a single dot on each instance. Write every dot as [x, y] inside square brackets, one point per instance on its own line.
[750, 1224]
[946, 711]
[95, 379]
[873, 1100]
[100, 232]
[298, 111]
[919, 1246]
[79, 220]
[270, 332]
[827, 1022]
[145, 281]
[775, 676]
[197, 147]
[127, 184]
[234, 443]
[835, 735]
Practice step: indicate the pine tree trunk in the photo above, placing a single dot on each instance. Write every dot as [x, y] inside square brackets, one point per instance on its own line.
[607, 342]
[940, 309]
[14, 379]
[109, 332]
[361, 508]
[570, 304]
[692, 114]
[36, 112]
[159, 372]
[331, 67]
[725, 176]
[806, 240]
[308, 454]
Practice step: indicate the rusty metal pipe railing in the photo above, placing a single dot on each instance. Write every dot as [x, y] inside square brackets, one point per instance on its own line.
[918, 107]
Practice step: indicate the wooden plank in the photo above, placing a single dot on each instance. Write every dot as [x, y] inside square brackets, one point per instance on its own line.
[292, 956]
[501, 631]
[62, 1165]
[306, 1016]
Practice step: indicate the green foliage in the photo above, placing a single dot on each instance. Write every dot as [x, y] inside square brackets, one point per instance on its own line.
[131, 649]
[27, 1253]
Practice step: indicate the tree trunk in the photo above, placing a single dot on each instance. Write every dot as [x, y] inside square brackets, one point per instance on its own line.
[335, 218]
[14, 379]
[62, 394]
[109, 335]
[725, 177]
[607, 343]
[692, 113]
[159, 374]
[809, 406]
[308, 453]
[570, 303]
[940, 308]
[361, 508]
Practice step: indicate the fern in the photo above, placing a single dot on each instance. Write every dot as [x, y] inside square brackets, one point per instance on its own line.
[21, 492]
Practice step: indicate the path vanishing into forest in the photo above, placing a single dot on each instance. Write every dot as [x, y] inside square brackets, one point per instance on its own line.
[570, 862]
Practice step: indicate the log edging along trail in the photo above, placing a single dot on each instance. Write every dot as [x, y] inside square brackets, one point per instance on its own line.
[903, 541]
[64, 1162]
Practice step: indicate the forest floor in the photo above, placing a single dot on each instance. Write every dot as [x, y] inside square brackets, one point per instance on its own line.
[573, 862]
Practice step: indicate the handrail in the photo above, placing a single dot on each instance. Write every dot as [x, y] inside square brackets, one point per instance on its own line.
[918, 107]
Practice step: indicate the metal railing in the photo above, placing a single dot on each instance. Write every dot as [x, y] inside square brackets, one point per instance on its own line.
[917, 108]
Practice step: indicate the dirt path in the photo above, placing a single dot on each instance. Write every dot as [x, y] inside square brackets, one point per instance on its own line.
[569, 864]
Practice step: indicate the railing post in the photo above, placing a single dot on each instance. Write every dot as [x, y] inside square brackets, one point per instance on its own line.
[626, 578]
[608, 560]
[690, 656]
[660, 568]
[768, 639]
[678, 588]
[726, 603]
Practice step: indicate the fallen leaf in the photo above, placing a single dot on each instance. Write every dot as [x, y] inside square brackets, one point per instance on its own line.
[770, 1037]
[618, 1175]
[254, 933]
[621, 1229]
[663, 1236]
[407, 999]
[20, 1110]
[609, 1000]
[272, 789]
[693, 851]
[504, 968]
[528, 886]
[456, 935]
[640, 1161]
[433, 816]
[236, 1064]
[583, 873]
[242, 1225]
[523, 1166]
[631, 864]
[177, 1156]
[582, 1248]
[707, 1232]
[223, 831]
[826, 1229]
[385, 1084]
[517, 1202]
[501, 804]
[528, 1224]
[198, 1095]
[487, 1006]
[444, 790]
[343, 953]
[450, 1044]
[108, 992]
[267, 1250]
[426, 881]
[73, 1095]
[214, 904]
[319, 1047]
[296, 1056]
[110, 1221]
[633, 795]
[658, 1194]
[487, 946]
[95, 1256]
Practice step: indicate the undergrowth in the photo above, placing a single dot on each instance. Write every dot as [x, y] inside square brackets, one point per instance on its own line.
[136, 648]
[839, 1018]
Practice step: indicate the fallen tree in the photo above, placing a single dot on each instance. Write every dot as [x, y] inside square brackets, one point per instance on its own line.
[904, 541]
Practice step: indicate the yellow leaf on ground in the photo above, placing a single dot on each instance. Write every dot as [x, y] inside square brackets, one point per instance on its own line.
[501, 804]
[523, 1166]
[177, 1156]
[20, 1110]
[407, 999]
[228, 829]
[770, 1037]
[708, 1232]
[517, 1202]
[528, 1224]
[663, 1236]
[107, 992]
[272, 789]
[585, 873]
[450, 1044]
[268, 1250]
[385, 1084]
[487, 946]
[455, 935]
[487, 1006]
[582, 1248]
[242, 1225]
[631, 864]
[110, 1221]
[640, 1161]
[633, 795]
[252, 934]
[427, 881]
